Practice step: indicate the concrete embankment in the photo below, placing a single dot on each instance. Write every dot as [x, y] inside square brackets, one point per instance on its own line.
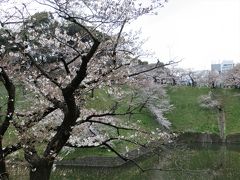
[196, 137]
[111, 161]
[186, 138]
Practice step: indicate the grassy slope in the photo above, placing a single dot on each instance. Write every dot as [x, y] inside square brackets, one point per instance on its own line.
[189, 116]
[230, 99]
[186, 116]
[103, 101]
[10, 136]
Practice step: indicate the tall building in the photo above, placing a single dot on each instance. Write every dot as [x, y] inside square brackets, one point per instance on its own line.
[226, 65]
[223, 67]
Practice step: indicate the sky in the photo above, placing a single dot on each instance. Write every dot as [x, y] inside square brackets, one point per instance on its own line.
[198, 32]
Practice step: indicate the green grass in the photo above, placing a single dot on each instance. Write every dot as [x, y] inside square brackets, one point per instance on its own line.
[10, 136]
[187, 115]
[230, 99]
[20, 99]
[102, 101]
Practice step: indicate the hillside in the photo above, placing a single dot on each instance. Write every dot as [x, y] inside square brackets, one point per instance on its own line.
[189, 116]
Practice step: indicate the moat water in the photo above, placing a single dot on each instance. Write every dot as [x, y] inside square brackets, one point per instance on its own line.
[183, 162]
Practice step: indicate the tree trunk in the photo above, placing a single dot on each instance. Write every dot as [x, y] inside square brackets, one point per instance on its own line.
[174, 83]
[41, 170]
[3, 171]
[92, 93]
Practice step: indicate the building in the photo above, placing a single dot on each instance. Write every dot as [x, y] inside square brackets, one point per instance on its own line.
[223, 67]
[226, 65]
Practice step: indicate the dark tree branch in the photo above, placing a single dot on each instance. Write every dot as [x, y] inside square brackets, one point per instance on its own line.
[34, 117]
[72, 112]
[82, 72]
[62, 59]
[116, 43]
[11, 149]
[158, 65]
[73, 20]
[126, 159]
[11, 100]
[9, 86]
[42, 70]
[21, 48]
[74, 59]
[115, 126]
[123, 157]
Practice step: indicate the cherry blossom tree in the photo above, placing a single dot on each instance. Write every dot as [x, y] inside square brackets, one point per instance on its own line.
[59, 56]
[214, 79]
[232, 77]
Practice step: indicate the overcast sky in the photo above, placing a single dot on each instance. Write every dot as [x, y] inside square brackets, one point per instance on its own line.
[200, 32]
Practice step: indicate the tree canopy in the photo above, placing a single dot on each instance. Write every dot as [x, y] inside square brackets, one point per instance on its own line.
[59, 56]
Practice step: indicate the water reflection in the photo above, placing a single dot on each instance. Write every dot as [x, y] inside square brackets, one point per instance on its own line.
[195, 161]
[183, 162]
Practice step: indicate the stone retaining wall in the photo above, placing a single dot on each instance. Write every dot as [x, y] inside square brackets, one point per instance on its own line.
[111, 161]
[187, 137]
[233, 138]
[195, 137]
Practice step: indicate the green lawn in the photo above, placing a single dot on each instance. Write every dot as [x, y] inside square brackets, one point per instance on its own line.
[230, 99]
[187, 115]
[101, 101]
[21, 103]
[142, 119]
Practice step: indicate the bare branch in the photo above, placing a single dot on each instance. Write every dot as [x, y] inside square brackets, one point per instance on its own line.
[22, 50]
[35, 117]
[11, 149]
[158, 65]
[81, 73]
[117, 41]
[42, 70]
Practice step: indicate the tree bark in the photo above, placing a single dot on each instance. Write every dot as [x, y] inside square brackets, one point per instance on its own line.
[3, 170]
[9, 86]
[41, 170]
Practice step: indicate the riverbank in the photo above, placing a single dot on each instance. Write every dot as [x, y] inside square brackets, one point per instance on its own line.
[195, 137]
[189, 116]
[97, 161]
[187, 138]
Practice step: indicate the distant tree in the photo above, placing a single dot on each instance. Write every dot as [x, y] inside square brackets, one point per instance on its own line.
[232, 77]
[158, 103]
[193, 79]
[213, 79]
